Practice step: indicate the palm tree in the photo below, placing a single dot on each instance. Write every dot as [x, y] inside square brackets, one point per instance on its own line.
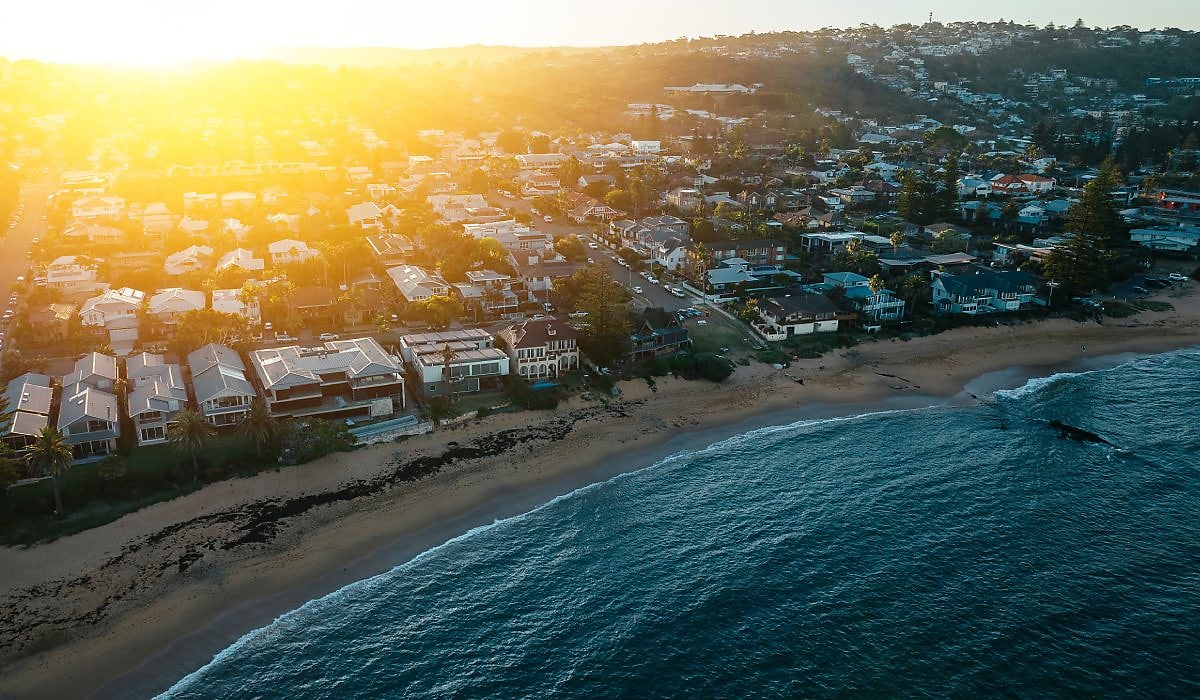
[897, 238]
[260, 425]
[51, 455]
[189, 434]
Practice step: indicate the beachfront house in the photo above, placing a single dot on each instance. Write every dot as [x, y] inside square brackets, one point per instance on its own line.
[981, 293]
[338, 379]
[156, 396]
[88, 420]
[783, 317]
[656, 332]
[219, 383]
[29, 397]
[454, 362]
[544, 347]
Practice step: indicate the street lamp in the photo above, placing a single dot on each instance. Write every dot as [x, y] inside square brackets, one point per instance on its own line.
[1050, 299]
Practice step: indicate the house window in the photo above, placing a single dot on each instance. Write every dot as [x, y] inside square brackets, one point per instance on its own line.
[155, 433]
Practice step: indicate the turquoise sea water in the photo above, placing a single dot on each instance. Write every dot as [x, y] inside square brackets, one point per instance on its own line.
[963, 552]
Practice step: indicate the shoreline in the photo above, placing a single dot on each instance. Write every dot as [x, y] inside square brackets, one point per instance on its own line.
[165, 624]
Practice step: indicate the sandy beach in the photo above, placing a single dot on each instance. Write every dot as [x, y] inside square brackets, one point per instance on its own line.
[127, 609]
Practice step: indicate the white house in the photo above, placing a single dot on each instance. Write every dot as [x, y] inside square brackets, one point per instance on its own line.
[69, 276]
[457, 362]
[88, 420]
[92, 207]
[877, 306]
[365, 215]
[169, 304]
[233, 200]
[288, 251]
[242, 259]
[112, 306]
[229, 301]
[417, 284]
[189, 259]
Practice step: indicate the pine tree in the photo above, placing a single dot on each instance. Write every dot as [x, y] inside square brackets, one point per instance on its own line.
[1082, 264]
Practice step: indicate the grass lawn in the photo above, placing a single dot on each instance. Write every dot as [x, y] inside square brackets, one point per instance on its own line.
[719, 333]
[152, 474]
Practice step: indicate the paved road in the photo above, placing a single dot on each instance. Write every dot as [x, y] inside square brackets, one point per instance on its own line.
[652, 295]
[14, 247]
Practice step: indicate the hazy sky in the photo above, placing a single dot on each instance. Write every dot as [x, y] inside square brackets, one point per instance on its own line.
[157, 31]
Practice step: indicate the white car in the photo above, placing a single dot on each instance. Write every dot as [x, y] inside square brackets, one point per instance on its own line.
[637, 290]
[548, 219]
[328, 336]
[1176, 277]
[593, 246]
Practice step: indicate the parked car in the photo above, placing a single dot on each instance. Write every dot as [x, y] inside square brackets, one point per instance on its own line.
[1140, 290]
[328, 336]
[1177, 277]
[548, 219]
[637, 290]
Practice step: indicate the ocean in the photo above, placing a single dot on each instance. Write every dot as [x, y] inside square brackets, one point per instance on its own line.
[944, 551]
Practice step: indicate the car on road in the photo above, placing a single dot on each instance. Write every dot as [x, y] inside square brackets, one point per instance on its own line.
[1140, 290]
[593, 246]
[548, 219]
[282, 337]
[677, 292]
[637, 290]
[35, 241]
[701, 322]
[591, 261]
[1177, 277]
[328, 336]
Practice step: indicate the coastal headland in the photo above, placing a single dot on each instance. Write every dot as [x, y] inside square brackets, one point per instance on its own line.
[128, 608]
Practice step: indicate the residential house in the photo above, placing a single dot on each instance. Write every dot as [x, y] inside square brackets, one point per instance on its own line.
[391, 248]
[593, 210]
[453, 208]
[974, 187]
[241, 259]
[238, 200]
[1009, 185]
[96, 207]
[190, 259]
[230, 301]
[656, 332]
[339, 379]
[454, 362]
[315, 305]
[29, 398]
[783, 317]
[1179, 239]
[685, 199]
[537, 270]
[94, 233]
[541, 161]
[1037, 184]
[366, 215]
[767, 251]
[881, 305]
[544, 347]
[156, 220]
[289, 251]
[51, 321]
[511, 235]
[96, 370]
[71, 277]
[985, 292]
[539, 183]
[156, 396]
[112, 308]
[416, 284]
[219, 383]
[488, 291]
[854, 197]
[168, 305]
[88, 420]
